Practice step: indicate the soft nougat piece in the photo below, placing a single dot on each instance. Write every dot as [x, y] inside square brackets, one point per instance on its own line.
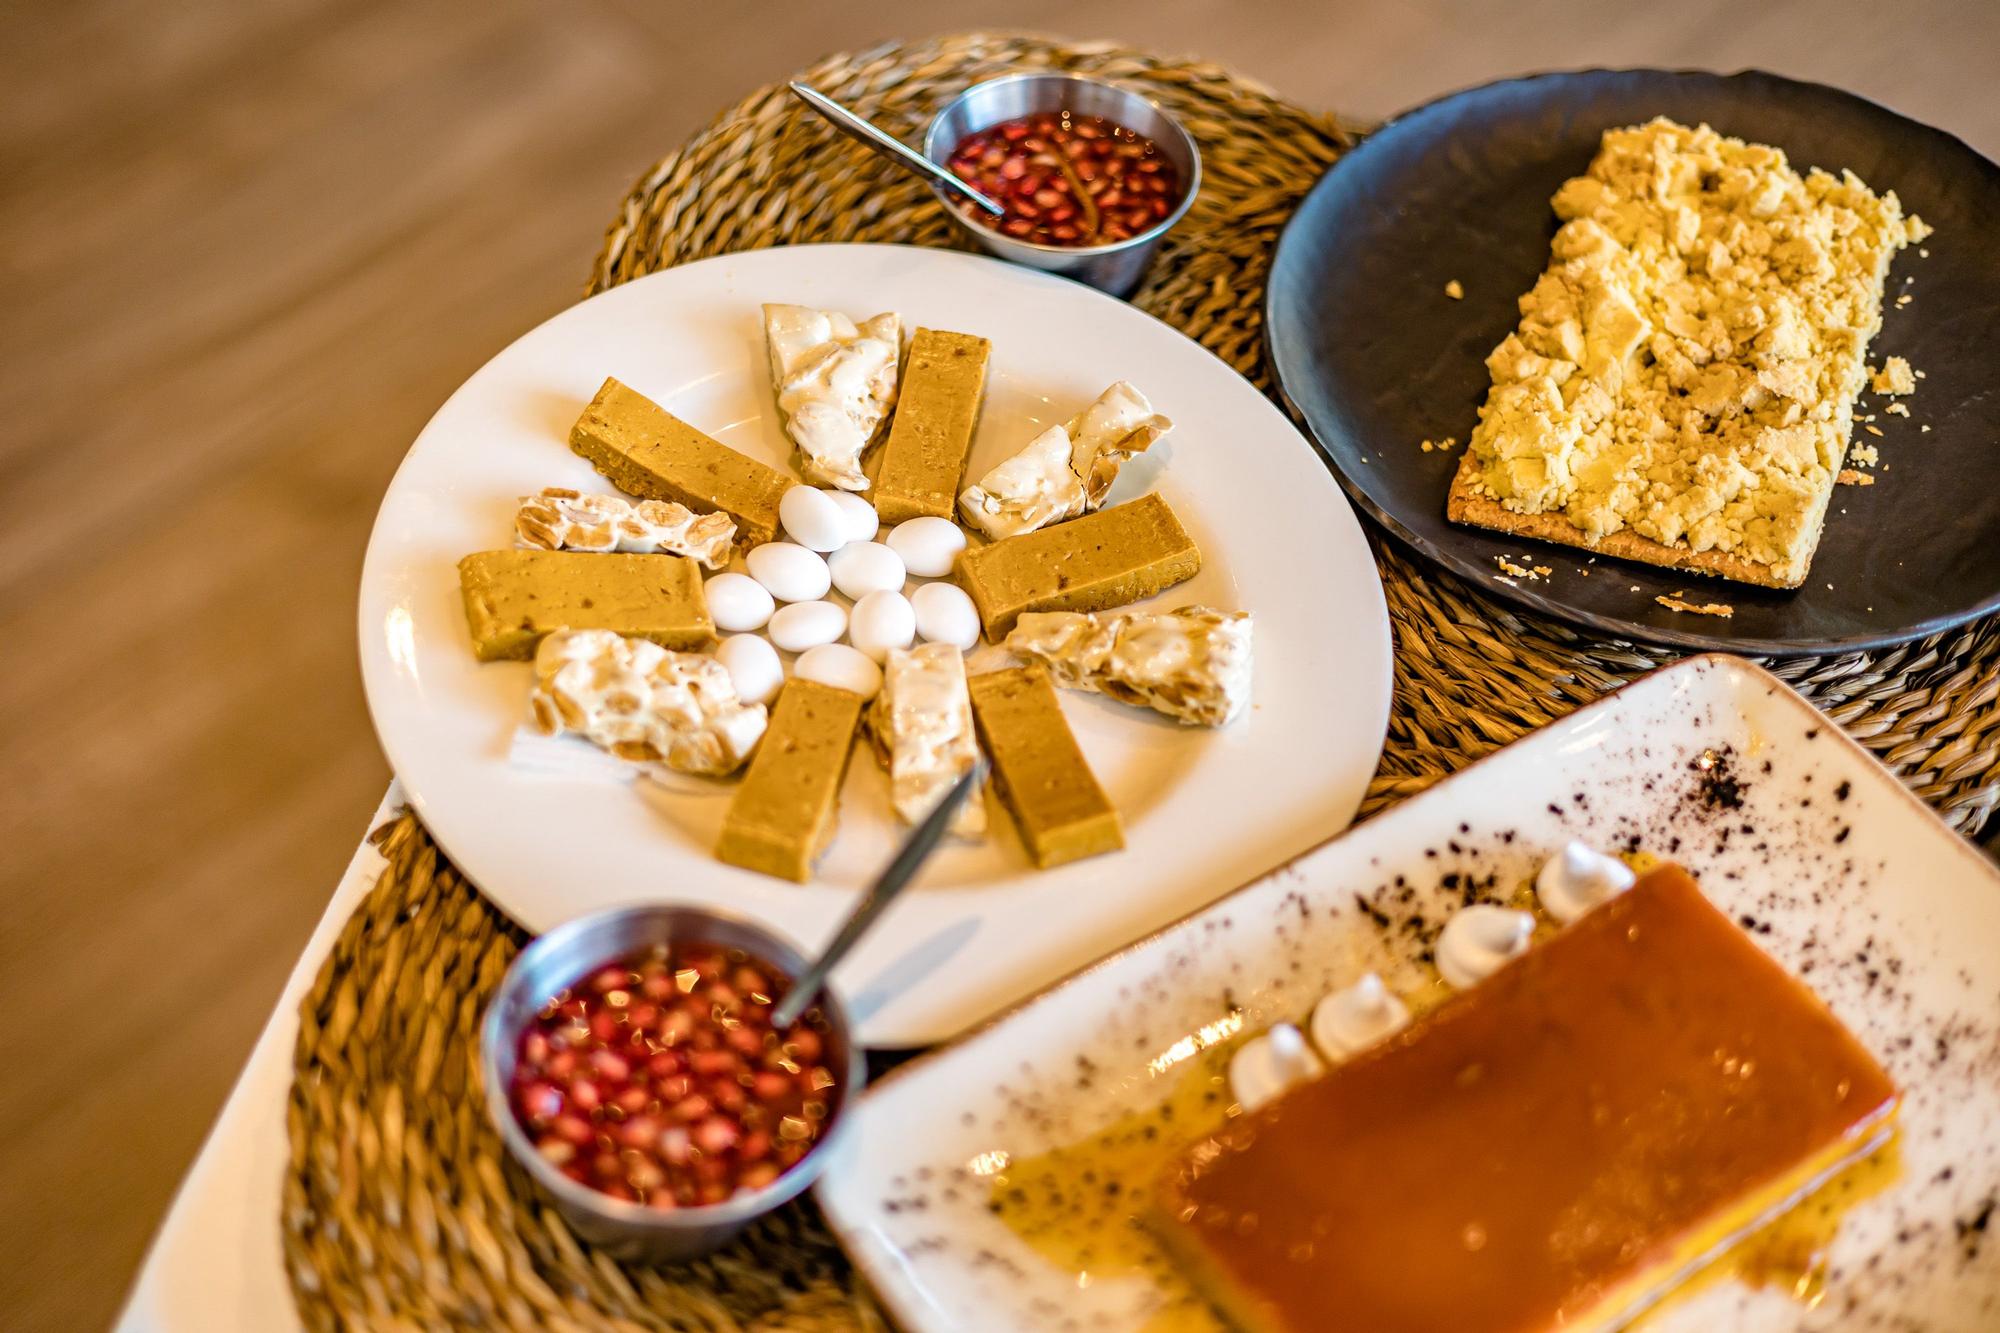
[835, 381]
[1067, 469]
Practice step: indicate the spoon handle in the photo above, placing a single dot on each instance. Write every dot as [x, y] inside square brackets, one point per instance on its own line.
[890, 883]
[889, 146]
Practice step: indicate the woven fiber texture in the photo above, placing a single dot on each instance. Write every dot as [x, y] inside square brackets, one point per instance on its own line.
[401, 1209]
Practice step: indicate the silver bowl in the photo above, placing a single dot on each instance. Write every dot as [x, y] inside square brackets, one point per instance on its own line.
[1117, 267]
[572, 951]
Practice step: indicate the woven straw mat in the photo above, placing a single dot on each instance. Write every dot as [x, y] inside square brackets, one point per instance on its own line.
[400, 1208]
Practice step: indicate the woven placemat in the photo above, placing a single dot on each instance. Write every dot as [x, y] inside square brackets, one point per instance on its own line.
[400, 1207]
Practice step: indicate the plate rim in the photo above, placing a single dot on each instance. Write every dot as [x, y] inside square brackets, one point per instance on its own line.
[368, 629]
[1520, 594]
[856, 1237]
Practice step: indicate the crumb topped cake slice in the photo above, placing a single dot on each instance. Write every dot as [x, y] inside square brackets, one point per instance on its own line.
[1680, 389]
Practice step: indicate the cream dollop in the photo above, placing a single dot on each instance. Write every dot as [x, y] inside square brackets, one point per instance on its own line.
[1352, 1019]
[1266, 1066]
[1578, 878]
[1479, 940]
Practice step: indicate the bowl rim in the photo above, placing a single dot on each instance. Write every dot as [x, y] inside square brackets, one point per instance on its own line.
[740, 1208]
[1158, 229]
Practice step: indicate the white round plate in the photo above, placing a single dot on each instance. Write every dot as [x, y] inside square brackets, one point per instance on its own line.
[1203, 810]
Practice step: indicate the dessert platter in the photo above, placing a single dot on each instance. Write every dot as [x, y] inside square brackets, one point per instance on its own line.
[1679, 357]
[1681, 1006]
[755, 557]
[691, 606]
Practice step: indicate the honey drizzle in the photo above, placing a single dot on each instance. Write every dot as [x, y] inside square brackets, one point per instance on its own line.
[1079, 1205]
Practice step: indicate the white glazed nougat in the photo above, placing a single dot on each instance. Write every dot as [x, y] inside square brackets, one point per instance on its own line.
[923, 732]
[835, 381]
[643, 702]
[1066, 470]
[559, 519]
[1193, 663]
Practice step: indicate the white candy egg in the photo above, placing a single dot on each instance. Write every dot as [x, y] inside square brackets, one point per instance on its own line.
[753, 666]
[860, 568]
[842, 667]
[881, 621]
[804, 625]
[928, 545]
[945, 615]
[858, 516]
[737, 602]
[790, 573]
[813, 519]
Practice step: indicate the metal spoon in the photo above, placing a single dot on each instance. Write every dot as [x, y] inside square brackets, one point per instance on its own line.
[917, 850]
[854, 127]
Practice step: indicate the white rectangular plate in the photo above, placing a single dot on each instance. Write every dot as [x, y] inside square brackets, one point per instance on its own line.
[1838, 872]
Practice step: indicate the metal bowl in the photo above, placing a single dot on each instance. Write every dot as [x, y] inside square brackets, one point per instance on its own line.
[572, 951]
[1117, 267]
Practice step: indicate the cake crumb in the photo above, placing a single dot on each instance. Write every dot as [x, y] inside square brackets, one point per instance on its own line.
[1849, 477]
[1445, 445]
[1897, 410]
[1532, 574]
[1866, 454]
[1876, 431]
[1674, 603]
[1895, 377]
[1924, 430]
[1455, 290]
[1923, 252]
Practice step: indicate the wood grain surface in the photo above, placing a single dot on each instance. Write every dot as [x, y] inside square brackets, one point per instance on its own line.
[244, 252]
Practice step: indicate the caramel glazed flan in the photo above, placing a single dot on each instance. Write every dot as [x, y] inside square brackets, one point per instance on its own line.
[1556, 1147]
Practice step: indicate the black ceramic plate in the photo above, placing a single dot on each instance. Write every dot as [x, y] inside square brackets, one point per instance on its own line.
[1375, 358]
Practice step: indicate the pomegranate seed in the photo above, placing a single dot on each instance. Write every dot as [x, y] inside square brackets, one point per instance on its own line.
[535, 1048]
[618, 1189]
[770, 1086]
[632, 1100]
[662, 1199]
[1064, 233]
[1111, 198]
[710, 1063]
[716, 1135]
[608, 979]
[540, 1101]
[756, 1145]
[611, 1065]
[604, 1024]
[729, 1097]
[758, 1176]
[574, 1129]
[585, 1094]
[560, 1065]
[663, 1064]
[1013, 168]
[1048, 197]
[606, 1166]
[557, 1152]
[646, 1174]
[804, 1044]
[675, 1088]
[745, 1040]
[713, 1192]
[1014, 133]
[692, 1107]
[676, 1146]
[1017, 226]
